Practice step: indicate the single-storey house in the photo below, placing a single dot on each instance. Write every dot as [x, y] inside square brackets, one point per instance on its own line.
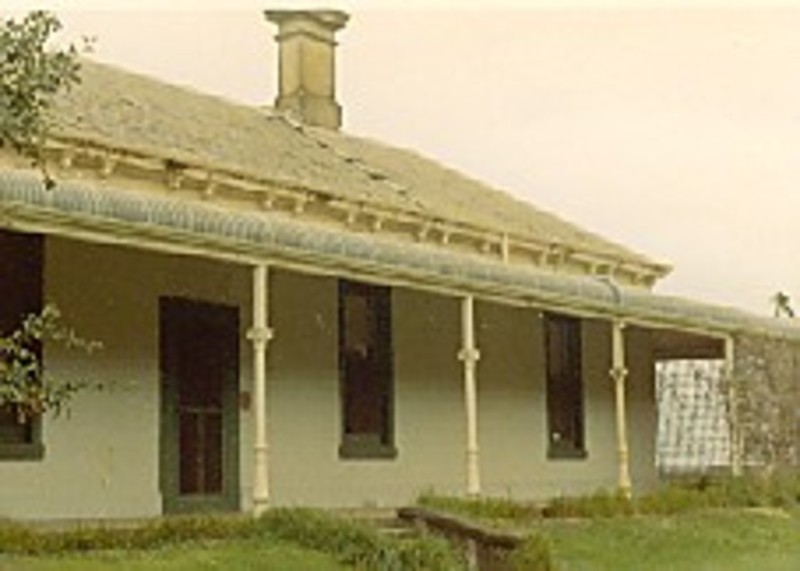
[294, 316]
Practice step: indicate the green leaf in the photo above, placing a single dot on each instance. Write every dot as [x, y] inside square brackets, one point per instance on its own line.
[31, 75]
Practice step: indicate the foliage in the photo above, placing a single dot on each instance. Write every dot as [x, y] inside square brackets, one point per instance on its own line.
[358, 544]
[689, 495]
[600, 504]
[534, 554]
[778, 490]
[682, 498]
[350, 543]
[755, 490]
[708, 521]
[481, 508]
[189, 542]
[764, 413]
[30, 76]
[23, 384]
[783, 305]
[346, 541]
[733, 540]
[17, 539]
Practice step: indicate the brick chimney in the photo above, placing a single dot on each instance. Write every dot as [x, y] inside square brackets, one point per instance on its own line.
[306, 58]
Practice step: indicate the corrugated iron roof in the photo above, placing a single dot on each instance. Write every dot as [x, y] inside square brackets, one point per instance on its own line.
[94, 208]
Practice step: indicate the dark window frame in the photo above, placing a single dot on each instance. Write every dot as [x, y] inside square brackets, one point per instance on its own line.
[379, 444]
[32, 268]
[564, 385]
[31, 450]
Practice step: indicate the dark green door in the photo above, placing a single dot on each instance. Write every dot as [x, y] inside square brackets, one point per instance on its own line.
[199, 406]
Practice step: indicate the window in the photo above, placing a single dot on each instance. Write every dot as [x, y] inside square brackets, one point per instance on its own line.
[365, 371]
[20, 295]
[564, 387]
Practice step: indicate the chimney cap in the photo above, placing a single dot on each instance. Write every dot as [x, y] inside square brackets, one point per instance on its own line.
[333, 20]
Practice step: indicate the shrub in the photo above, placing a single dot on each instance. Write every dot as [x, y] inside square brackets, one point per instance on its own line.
[533, 554]
[781, 491]
[358, 544]
[16, 539]
[671, 500]
[24, 388]
[349, 542]
[684, 496]
[726, 492]
[482, 508]
[599, 504]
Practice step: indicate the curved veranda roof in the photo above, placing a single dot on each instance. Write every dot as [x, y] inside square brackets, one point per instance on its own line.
[115, 215]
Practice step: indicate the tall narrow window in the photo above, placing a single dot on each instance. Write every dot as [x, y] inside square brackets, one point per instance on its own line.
[564, 387]
[20, 295]
[365, 371]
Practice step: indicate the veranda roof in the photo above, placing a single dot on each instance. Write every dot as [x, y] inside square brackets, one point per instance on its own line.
[115, 215]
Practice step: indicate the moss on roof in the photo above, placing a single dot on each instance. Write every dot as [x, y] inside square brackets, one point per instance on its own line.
[131, 111]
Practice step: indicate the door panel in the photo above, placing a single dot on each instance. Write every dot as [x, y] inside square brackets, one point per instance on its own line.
[199, 414]
[200, 450]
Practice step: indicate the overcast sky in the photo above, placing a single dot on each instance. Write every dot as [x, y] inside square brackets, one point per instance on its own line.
[675, 131]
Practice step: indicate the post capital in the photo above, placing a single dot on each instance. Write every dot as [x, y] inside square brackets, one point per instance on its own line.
[618, 374]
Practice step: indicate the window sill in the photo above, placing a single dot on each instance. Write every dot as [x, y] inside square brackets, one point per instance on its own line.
[566, 453]
[366, 449]
[21, 452]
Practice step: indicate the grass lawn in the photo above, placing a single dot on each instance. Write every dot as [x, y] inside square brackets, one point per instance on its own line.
[717, 539]
[280, 540]
[724, 540]
[244, 555]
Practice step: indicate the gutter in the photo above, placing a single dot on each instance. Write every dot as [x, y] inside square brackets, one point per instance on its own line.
[80, 210]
